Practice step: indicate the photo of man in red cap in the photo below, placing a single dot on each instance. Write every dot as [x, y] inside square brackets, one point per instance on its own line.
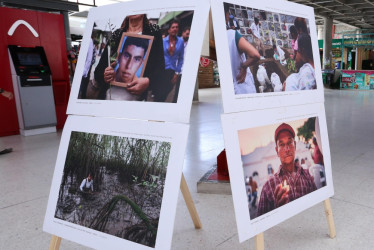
[290, 182]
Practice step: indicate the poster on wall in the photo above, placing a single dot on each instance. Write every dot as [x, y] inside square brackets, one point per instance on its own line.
[267, 54]
[279, 165]
[116, 183]
[133, 60]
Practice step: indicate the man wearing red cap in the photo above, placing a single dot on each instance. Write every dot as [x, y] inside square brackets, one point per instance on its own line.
[290, 182]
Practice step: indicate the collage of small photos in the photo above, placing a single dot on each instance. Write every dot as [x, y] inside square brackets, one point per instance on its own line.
[118, 171]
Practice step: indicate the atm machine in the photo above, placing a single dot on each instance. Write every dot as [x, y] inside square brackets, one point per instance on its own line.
[33, 91]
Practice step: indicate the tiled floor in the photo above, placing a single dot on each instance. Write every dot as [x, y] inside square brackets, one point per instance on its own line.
[26, 174]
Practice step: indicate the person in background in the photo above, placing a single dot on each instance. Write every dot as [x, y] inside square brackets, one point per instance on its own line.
[90, 60]
[254, 191]
[231, 22]
[294, 35]
[186, 35]
[242, 56]
[305, 78]
[303, 164]
[255, 31]
[317, 154]
[8, 95]
[318, 169]
[174, 58]
[301, 26]
[279, 54]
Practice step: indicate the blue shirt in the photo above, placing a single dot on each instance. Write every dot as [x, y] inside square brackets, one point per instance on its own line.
[174, 62]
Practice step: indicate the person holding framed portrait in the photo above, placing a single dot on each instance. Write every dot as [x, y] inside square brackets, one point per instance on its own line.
[150, 85]
[132, 57]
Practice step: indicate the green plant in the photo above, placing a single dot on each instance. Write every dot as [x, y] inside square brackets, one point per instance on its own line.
[291, 66]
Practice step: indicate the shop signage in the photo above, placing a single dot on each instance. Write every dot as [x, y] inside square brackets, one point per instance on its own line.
[336, 43]
[357, 79]
[359, 42]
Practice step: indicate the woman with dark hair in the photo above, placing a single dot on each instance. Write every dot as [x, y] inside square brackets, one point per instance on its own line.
[300, 25]
[305, 79]
[150, 86]
[294, 35]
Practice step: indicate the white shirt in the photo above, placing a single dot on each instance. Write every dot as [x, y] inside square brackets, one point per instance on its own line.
[237, 58]
[87, 184]
[256, 30]
[120, 94]
[304, 80]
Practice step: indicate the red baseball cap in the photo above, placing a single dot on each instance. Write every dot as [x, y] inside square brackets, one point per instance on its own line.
[281, 128]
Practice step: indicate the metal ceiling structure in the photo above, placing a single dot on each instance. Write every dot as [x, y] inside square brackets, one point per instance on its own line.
[46, 5]
[358, 13]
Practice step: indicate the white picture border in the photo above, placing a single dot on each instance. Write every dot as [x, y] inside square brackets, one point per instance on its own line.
[237, 103]
[231, 124]
[176, 134]
[174, 112]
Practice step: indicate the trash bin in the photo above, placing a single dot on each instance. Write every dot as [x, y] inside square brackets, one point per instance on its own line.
[329, 82]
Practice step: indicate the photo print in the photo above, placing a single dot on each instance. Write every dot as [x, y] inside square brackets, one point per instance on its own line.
[111, 72]
[116, 183]
[270, 154]
[279, 165]
[267, 62]
[104, 82]
[272, 52]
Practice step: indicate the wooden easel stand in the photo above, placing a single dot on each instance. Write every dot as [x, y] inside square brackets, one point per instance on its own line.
[259, 239]
[56, 241]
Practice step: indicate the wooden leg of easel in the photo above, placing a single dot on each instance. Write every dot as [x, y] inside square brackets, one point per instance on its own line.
[55, 243]
[330, 218]
[189, 202]
[259, 242]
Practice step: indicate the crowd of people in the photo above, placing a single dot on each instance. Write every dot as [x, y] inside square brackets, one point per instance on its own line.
[117, 80]
[245, 54]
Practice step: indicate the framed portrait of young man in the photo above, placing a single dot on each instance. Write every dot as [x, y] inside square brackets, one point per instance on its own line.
[131, 61]
[267, 53]
[279, 165]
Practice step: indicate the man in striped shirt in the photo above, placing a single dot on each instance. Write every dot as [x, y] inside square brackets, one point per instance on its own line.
[290, 182]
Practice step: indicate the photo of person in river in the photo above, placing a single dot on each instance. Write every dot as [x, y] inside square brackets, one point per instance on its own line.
[124, 178]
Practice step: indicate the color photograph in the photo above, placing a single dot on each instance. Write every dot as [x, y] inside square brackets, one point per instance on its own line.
[114, 185]
[279, 165]
[104, 83]
[153, 74]
[269, 51]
